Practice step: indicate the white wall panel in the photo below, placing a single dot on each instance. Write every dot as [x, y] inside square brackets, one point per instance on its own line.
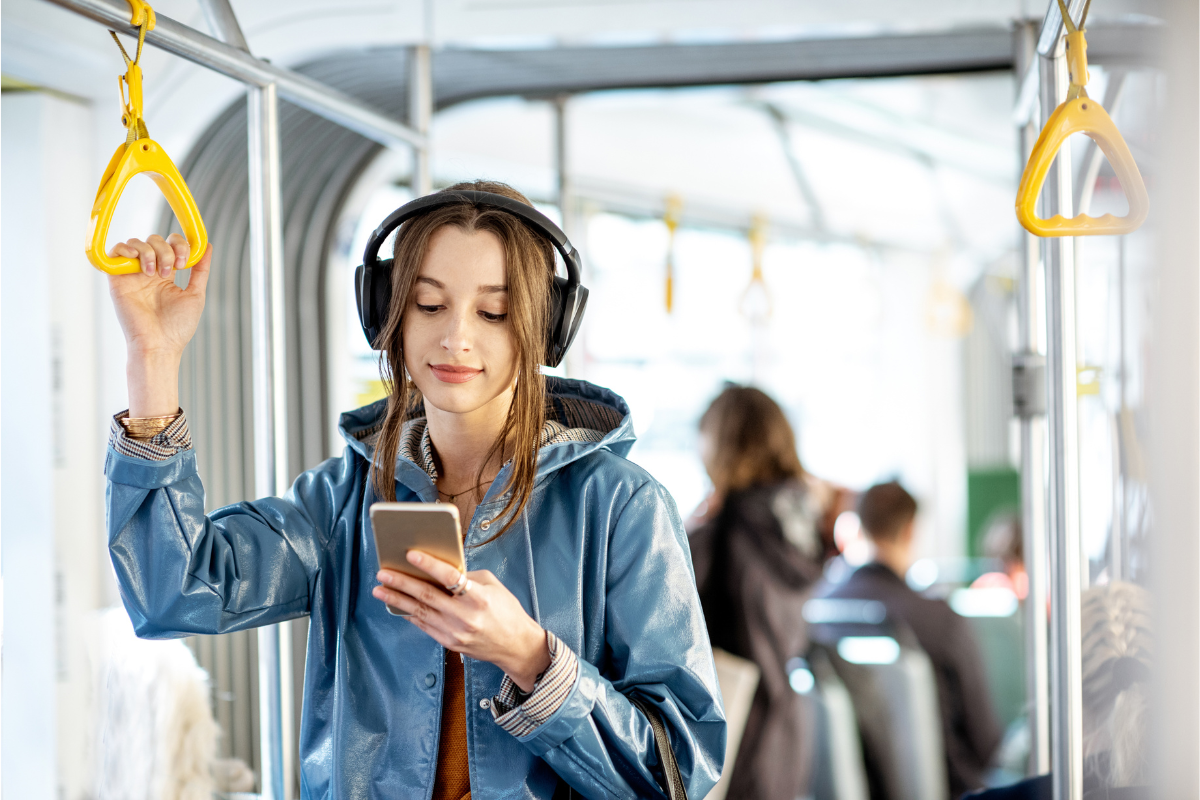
[27, 722]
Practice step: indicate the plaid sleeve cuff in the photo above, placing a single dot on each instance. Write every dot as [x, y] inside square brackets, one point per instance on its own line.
[170, 442]
[520, 714]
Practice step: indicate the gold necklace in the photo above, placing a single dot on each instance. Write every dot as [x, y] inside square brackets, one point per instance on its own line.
[451, 497]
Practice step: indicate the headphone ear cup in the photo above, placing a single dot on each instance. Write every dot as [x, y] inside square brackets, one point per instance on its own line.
[362, 276]
[567, 304]
[373, 295]
[578, 306]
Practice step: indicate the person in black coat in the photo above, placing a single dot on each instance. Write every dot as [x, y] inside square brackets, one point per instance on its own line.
[756, 549]
[970, 732]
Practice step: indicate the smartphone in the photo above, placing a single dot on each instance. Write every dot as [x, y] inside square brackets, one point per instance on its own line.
[432, 528]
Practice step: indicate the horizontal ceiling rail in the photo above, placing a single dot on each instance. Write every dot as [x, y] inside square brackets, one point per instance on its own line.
[186, 42]
[461, 74]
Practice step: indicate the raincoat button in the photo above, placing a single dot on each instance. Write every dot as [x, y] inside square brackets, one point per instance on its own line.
[485, 704]
[430, 680]
[483, 526]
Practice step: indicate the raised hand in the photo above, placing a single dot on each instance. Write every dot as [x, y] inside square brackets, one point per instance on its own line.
[158, 319]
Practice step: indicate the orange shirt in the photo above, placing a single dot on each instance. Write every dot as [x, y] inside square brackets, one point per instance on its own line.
[453, 778]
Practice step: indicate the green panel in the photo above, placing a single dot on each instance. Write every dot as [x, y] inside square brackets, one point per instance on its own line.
[989, 491]
[1002, 646]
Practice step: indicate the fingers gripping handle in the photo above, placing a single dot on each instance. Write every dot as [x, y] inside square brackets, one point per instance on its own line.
[143, 155]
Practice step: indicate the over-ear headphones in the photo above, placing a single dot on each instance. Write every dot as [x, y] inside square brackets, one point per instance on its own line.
[568, 299]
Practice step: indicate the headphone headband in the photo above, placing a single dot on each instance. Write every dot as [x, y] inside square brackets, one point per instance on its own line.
[373, 280]
[528, 214]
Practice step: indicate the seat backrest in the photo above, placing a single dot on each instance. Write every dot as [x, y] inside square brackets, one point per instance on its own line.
[892, 684]
[738, 678]
[838, 769]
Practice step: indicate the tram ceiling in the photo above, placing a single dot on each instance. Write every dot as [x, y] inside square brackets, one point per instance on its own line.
[468, 74]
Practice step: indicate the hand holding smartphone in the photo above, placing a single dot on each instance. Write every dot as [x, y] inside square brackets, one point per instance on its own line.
[432, 528]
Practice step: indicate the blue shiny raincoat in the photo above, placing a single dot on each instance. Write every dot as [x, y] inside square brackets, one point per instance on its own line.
[599, 557]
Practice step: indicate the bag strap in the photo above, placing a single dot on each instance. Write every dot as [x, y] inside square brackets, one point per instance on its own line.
[674, 788]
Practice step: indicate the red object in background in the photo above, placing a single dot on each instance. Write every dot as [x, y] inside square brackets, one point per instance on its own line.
[1017, 583]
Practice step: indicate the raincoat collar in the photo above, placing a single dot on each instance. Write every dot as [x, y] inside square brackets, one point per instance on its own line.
[571, 403]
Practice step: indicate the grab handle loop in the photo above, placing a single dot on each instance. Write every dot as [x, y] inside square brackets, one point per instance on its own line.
[671, 220]
[140, 154]
[1080, 114]
[756, 303]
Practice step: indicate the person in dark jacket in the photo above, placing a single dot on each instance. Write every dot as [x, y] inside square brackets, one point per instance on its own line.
[970, 732]
[756, 551]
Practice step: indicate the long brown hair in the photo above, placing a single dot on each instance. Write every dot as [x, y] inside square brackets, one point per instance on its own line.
[529, 266]
[752, 439]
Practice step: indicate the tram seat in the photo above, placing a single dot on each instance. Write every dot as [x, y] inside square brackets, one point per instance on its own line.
[738, 678]
[891, 682]
[838, 769]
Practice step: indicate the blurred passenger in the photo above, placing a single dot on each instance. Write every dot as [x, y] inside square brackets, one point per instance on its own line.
[841, 500]
[970, 731]
[757, 551]
[1117, 647]
[1004, 542]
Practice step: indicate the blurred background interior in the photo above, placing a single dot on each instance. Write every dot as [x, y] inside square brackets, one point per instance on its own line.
[815, 199]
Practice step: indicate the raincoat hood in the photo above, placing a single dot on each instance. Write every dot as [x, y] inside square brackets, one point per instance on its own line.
[571, 403]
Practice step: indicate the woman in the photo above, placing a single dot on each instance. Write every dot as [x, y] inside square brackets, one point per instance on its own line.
[757, 553]
[579, 591]
[1118, 645]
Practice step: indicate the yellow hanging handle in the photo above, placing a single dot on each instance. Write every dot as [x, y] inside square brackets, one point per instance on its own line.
[758, 246]
[140, 154]
[142, 14]
[1080, 114]
[671, 220]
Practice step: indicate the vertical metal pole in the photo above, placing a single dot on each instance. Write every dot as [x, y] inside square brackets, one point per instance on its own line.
[1118, 534]
[270, 406]
[561, 167]
[1033, 464]
[573, 363]
[224, 23]
[270, 421]
[1061, 416]
[420, 113]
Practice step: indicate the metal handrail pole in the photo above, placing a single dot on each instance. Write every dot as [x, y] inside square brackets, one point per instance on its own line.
[270, 418]
[562, 170]
[1033, 453]
[186, 42]
[276, 730]
[567, 200]
[1052, 26]
[420, 115]
[224, 23]
[1066, 721]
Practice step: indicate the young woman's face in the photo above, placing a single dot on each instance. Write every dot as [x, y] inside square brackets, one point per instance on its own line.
[458, 348]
